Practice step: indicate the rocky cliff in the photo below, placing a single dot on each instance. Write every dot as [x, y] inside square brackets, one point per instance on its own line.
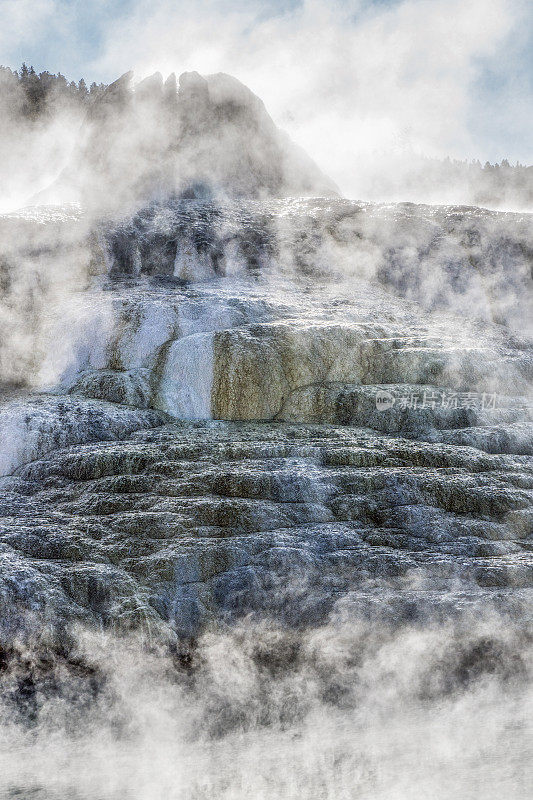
[205, 137]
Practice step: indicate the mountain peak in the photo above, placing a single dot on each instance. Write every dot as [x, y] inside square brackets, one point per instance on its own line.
[161, 137]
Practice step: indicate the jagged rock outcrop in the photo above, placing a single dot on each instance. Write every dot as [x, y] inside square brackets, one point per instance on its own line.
[210, 137]
[227, 139]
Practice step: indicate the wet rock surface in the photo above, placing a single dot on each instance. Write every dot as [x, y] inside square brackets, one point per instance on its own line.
[31, 426]
[191, 523]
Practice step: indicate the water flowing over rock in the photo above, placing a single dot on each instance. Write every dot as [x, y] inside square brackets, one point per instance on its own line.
[194, 522]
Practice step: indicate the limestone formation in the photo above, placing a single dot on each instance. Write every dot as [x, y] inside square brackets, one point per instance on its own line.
[232, 397]
[196, 522]
[333, 417]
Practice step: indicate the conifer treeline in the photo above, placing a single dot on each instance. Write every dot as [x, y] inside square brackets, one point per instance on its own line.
[502, 184]
[31, 95]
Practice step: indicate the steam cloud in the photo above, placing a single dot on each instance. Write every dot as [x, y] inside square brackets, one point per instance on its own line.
[375, 97]
[367, 705]
[360, 707]
[383, 78]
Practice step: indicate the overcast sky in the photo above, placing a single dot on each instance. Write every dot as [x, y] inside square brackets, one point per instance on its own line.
[433, 76]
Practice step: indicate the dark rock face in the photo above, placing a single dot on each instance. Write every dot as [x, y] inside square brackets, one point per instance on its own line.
[189, 523]
[472, 260]
[211, 136]
[229, 140]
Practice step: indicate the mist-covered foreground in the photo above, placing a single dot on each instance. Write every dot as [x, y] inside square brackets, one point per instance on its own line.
[375, 704]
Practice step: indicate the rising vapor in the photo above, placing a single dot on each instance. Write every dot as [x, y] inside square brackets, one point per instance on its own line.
[266, 405]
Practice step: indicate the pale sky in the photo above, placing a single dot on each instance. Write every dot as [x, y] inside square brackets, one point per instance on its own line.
[438, 76]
